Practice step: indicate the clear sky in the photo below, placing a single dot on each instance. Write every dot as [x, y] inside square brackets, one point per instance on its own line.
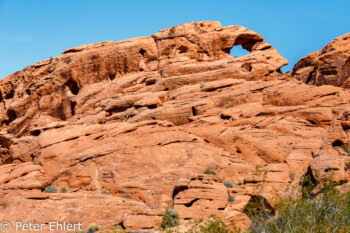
[34, 30]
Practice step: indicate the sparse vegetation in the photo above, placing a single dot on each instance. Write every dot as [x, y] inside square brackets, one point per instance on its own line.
[105, 102]
[165, 75]
[11, 134]
[209, 171]
[327, 212]
[228, 184]
[212, 225]
[105, 192]
[63, 190]
[93, 228]
[50, 189]
[202, 84]
[36, 163]
[170, 218]
[315, 206]
[345, 148]
[291, 175]
[231, 199]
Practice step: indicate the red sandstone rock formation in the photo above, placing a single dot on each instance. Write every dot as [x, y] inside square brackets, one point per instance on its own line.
[141, 120]
[330, 66]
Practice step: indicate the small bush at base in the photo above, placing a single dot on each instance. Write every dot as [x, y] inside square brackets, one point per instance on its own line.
[63, 190]
[291, 175]
[170, 218]
[50, 189]
[231, 199]
[213, 225]
[228, 184]
[105, 102]
[36, 163]
[93, 228]
[209, 171]
[345, 148]
[105, 192]
[329, 211]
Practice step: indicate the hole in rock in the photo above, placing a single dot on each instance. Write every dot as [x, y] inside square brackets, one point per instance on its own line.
[142, 52]
[73, 104]
[194, 111]
[337, 143]
[36, 132]
[11, 116]
[111, 76]
[331, 169]
[238, 51]
[308, 79]
[183, 49]
[73, 86]
[178, 189]
[10, 94]
[28, 92]
[311, 122]
[152, 106]
[191, 203]
[247, 67]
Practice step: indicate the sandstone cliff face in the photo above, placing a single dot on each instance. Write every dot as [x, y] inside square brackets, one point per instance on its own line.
[330, 66]
[129, 127]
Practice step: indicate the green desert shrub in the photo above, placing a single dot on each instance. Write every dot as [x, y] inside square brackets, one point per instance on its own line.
[106, 102]
[213, 225]
[50, 189]
[258, 208]
[202, 84]
[209, 171]
[63, 190]
[345, 148]
[165, 75]
[170, 218]
[105, 192]
[291, 175]
[93, 228]
[328, 211]
[228, 184]
[231, 199]
[36, 163]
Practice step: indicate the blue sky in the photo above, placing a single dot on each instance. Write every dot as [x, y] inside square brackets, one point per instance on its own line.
[34, 30]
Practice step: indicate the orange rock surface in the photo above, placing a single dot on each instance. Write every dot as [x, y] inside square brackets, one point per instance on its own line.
[330, 66]
[129, 127]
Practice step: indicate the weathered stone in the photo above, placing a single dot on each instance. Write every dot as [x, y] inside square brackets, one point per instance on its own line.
[129, 127]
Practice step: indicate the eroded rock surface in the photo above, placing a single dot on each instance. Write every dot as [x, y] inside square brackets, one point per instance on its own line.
[129, 127]
[330, 66]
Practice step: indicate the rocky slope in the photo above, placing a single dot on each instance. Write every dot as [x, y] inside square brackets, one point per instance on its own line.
[129, 127]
